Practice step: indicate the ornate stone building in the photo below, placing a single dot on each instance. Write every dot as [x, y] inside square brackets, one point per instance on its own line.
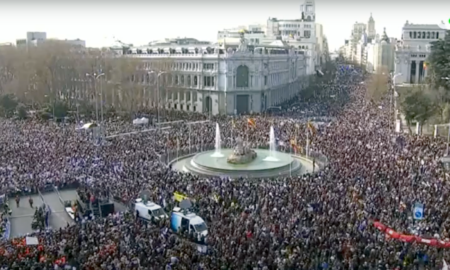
[221, 78]
[412, 51]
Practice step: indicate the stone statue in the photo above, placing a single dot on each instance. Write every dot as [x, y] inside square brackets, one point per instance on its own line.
[242, 43]
[241, 154]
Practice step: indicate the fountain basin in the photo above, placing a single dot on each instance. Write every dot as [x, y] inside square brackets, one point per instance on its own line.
[266, 164]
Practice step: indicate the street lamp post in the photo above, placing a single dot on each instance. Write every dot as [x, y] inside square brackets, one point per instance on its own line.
[95, 77]
[391, 97]
[448, 135]
[157, 90]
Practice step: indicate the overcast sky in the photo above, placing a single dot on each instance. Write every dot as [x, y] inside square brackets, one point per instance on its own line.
[140, 21]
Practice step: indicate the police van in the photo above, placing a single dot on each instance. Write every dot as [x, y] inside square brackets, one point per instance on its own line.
[182, 221]
[148, 210]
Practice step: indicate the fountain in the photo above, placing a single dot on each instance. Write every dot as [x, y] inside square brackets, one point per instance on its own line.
[217, 152]
[272, 146]
[241, 154]
[242, 161]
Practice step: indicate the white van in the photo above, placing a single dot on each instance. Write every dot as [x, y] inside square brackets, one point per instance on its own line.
[187, 221]
[149, 210]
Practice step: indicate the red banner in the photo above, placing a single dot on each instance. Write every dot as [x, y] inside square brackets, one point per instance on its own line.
[410, 238]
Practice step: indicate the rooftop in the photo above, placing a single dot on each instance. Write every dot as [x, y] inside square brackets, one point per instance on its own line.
[421, 26]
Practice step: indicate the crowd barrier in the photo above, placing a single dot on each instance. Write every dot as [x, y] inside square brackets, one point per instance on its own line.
[410, 238]
[59, 195]
[26, 191]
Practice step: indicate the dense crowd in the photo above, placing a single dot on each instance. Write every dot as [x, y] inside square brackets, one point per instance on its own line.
[315, 221]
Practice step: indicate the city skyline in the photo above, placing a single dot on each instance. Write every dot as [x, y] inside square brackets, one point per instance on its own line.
[139, 22]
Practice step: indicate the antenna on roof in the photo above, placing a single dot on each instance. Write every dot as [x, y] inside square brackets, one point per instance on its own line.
[145, 195]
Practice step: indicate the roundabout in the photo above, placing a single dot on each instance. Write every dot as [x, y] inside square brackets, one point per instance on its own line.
[243, 161]
[265, 165]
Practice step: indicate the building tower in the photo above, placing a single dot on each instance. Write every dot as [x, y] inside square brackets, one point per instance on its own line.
[371, 32]
[308, 9]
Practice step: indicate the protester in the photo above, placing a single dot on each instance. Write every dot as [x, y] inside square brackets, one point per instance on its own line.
[314, 221]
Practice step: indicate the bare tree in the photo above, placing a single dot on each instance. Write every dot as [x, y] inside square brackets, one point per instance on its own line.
[377, 85]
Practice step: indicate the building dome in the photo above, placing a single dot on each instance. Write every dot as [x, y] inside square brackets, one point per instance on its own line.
[371, 18]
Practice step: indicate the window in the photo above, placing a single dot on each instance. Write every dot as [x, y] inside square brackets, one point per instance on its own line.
[437, 35]
[195, 108]
[307, 33]
[423, 34]
[188, 97]
[419, 34]
[415, 34]
[189, 80]
[181, 107]
[428, 35]
[265, 80]
[433, 35]
[208, 66]
[188, 108]
[195, 81]
[182, 79]
[175, 106]
[410, 34]
[176, 79]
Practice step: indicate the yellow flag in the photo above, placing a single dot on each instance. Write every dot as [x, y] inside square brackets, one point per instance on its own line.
[179, 196]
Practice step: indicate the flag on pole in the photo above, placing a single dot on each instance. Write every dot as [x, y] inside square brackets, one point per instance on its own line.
[311, 127]
[251, 122]
[445, 266]
[233, 123]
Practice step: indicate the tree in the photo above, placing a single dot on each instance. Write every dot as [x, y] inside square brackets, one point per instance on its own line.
[22, 111]
[438, 63]
[58, 109]
[416, 105]
[378, 85]
[8, 105]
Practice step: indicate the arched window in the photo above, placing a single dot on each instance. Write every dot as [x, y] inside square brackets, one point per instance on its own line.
[437, 35]
[423, 34]
[415, 36]
[419, 34]
[242, 76]
[188, 80]
[428, 35]
[195, 81]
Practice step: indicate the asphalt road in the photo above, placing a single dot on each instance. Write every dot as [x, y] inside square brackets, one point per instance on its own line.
[22, 216]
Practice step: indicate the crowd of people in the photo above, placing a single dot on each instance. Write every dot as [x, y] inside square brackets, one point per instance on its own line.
[321, 220]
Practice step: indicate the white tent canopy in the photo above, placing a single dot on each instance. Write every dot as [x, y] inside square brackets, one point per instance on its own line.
[140, 121]
[87, 126]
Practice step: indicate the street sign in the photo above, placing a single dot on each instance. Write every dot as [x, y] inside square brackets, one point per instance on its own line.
[418, 211]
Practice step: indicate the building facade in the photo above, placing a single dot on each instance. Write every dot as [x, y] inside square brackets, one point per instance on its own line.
[304, 34]
[412, 51]
[380, 55]
[221, 79]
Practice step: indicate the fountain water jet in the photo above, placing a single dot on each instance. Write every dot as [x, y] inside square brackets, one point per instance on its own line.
[218, 152]
[272, 146]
